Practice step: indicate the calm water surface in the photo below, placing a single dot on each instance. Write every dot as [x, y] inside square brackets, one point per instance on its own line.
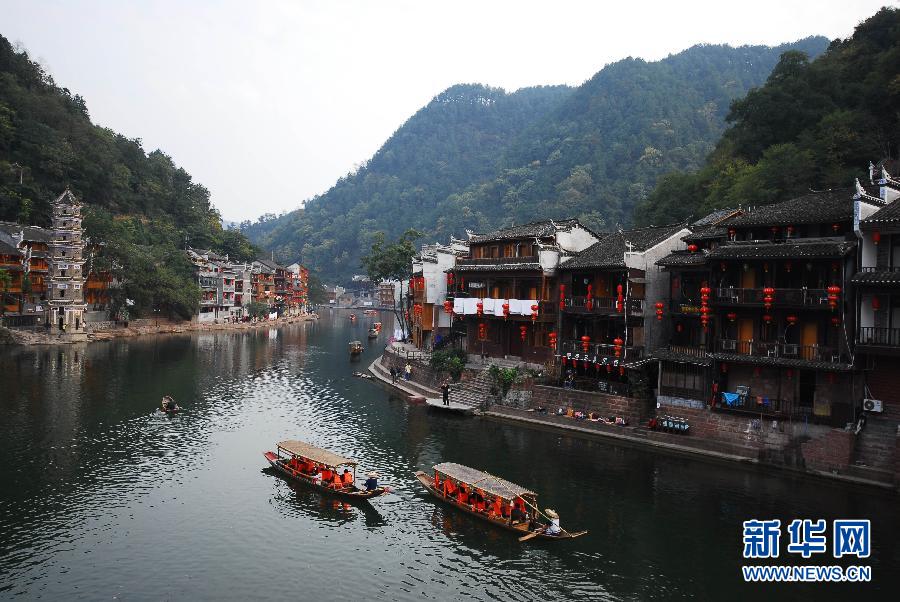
[101, 497]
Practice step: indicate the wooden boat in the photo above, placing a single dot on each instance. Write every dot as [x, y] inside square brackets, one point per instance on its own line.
[164, 407]
[377, 326]
[356, 347]
[373, 333]
[353, 317]
[289, 454]
[370, 312]
[490, 488]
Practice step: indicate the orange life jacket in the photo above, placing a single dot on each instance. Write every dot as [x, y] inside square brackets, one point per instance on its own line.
[495, 507]
[437, 481]
[327, 475]
[337, 483]
[347, 478]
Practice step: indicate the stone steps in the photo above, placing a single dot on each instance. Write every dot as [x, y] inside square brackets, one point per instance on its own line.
[416, 388]
[876, 445]
[472, 393]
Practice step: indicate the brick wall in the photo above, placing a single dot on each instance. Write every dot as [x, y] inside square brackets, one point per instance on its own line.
[633, 410]
[830, 452]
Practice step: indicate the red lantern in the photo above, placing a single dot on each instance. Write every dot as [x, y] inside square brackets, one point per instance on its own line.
[679, 327]
[564, 359]
[876, 237]
[589, 300]
[692, 248]
[833, 293]
[585, 343]
[608, 368]
[505, 310]
[523, 332]
[787, 267]
[775, 230]
[621, 370]
[534, 312]
[617, 345]
[704, 306]
[768, 297]
[482, 331]
[876, 303]
[792, 320]
[835, 227]
[659, 310]
[731, 316]
[562, 297]
[448, 306]
[449, 279]
[479, 308]
[767, 318]
[620, 299]
[552, 339]
[731, 233]
[724, 368]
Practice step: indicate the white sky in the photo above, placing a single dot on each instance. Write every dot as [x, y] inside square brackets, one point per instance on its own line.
[267, 103]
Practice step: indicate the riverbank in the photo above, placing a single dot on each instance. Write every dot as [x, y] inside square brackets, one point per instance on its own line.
[142, 328]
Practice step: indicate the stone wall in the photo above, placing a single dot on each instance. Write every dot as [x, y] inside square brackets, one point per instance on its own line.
[633, 410]
[831, 452]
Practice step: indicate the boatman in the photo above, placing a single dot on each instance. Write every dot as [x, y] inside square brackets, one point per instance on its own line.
[553, 528]
[372, 482]
[445, 392]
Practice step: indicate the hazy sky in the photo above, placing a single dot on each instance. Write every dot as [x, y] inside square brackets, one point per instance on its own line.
[267, 103]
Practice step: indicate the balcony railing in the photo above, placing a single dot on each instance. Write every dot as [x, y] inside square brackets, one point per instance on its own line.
[880, 269]
[811, 353]
[495, 260]
[806, 297]
[883, 337]
[208, 302]
[688, 350]
[600, 350]
[757, 404]
[603, 305]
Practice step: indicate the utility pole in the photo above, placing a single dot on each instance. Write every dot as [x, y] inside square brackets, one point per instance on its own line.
[21, 169]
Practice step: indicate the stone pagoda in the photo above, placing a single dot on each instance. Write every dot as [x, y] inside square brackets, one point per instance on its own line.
[65, 294]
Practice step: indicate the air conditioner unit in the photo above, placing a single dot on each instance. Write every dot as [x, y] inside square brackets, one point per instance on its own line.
[872, 405]
[729, 345]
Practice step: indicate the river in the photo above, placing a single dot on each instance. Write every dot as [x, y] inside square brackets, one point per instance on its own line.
[102, 497]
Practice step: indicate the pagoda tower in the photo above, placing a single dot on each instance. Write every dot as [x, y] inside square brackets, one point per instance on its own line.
[65, 282]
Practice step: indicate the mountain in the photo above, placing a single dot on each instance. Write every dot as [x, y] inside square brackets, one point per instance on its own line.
[812, 125]
[478, 157]
[142, 207]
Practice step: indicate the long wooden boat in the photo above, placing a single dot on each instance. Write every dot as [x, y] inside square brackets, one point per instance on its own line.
[373, 333]
[322, 458]
[488, 486]
[356, 347]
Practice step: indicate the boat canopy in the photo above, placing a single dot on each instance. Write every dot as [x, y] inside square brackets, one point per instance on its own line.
[316, 454]
[483, 480]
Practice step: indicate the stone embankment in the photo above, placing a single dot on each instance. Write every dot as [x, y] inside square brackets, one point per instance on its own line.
[138, 328]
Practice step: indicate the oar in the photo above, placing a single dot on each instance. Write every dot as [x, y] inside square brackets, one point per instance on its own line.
[531, 535]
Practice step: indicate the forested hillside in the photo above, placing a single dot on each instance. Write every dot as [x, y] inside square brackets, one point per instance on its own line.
[814, 124]
[478, 157]
[144, 208]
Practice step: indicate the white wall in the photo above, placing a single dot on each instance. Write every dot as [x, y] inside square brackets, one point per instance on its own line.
[578, 239]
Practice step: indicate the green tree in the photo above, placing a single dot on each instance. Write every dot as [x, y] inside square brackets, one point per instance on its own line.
[392, 262]
[5, 283]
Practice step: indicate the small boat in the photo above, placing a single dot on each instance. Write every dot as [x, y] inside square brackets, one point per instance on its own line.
[353, 317]
[290, 457]
[370, 312]
[377, 326]
[356, 347]
[491, 489]
[373, 333]
[169, 406]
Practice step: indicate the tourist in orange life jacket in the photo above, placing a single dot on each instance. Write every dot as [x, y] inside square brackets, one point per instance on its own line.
[327, 475]
[437, 481]
[449, 488]
[519, 513]
[347, 477]
[462, 495]
[496, 508]
[336, 481]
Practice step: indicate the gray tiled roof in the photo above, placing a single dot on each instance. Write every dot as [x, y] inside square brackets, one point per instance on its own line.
[813, 247]
[886, 215]
[31, 233]
[878, 277]
[8, 249]
[683, 258]
[610, 252]
[781, 361]
[813, 208]
[706, 233]
[714, 218]
[539, 229]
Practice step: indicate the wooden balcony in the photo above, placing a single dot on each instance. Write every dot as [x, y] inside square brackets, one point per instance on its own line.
[603, 305]
[492, 261]
[600, 350]
[793, 297]
[810, 353]
[878, 337]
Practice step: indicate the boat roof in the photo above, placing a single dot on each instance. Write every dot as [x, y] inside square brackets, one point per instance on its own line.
[483, 480]
[356, 342]
[316, 454]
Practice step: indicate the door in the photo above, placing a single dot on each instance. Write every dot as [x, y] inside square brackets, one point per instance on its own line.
[809, 337]
[745, 335]
[515, 338]
[748, 278]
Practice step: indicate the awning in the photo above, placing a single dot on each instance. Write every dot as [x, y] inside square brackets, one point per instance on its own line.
[316, 454]
[483, 480]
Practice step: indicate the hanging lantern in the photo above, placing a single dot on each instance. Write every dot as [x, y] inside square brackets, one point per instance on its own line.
[834, 292]
[692, 248]
[876, 237]
[792, 320]
[659, 310]
[767, 318]
[704, 306]
[617, 346]
[768, 297]
[608, 368]
[482, 331]
[479, 308]
[585, 343]
[505, 307]
[774, 230]
[835, 321]
[876, 303]
[722, 265]
[790, 231]
[679, 327]
[552, 339]
[589, 300]
[787, 266]
[621, 370]
[620, 299]
[731, 316]
[564, 359]
[790, 373]
[731, 233]
[534, 312]
[835, 227]
[449, 279]
[412, 284]
[562, 297]
[448, 306]
[523, 332]
[724, 368]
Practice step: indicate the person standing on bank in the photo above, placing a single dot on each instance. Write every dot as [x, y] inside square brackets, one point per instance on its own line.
[445, 392]
[407, 371]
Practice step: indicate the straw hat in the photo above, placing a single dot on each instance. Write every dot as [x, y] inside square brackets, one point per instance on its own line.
[373, 475]
[551, 513]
